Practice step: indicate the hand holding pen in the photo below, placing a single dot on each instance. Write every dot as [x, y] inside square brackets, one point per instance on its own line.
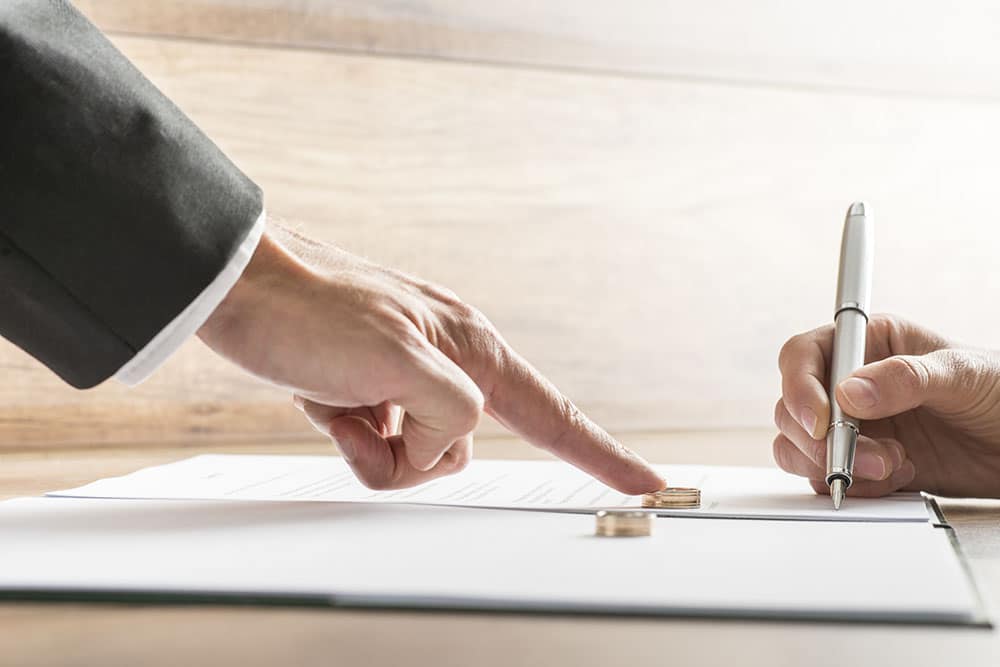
[928, 411]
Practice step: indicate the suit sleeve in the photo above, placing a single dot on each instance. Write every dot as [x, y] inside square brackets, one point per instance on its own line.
[116, 212]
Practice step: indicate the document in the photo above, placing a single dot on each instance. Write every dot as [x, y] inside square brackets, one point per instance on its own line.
[413, 556]
[726, 492]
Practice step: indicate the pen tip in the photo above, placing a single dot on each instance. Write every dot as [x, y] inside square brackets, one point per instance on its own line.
[837, 492]
[857, 208]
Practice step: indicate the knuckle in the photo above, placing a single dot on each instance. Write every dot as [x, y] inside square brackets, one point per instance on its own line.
[478, 343]
[909, 372]
[477, 324]
[882, 338]
[468, 410]
[471, 405]
[469, 418]
[440, 293]
[395, 331]
[471, 322]
[788, 349]
[403, 332]
[899, 335]
[462, 312]
[797, 349]
[886, 322]
[779, 450]
[779, 408]
[882, 325]
[459, 457]
[402, 346]
[374, 480]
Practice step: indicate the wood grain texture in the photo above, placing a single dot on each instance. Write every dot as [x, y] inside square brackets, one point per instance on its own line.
[648, 244]
[127, 635]
[889, 45]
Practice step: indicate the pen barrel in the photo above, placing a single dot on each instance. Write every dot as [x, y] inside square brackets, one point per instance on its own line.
[857, 257]
[848, 356]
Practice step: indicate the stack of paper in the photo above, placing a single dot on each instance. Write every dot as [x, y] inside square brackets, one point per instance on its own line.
[726, 492]
[210, 528]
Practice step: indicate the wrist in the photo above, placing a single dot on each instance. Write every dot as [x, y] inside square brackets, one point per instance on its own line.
[270, 261]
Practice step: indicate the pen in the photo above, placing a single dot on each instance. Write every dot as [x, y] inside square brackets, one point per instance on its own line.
[854, 288]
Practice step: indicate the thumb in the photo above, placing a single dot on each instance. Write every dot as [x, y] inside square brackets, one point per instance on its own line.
[945, 381]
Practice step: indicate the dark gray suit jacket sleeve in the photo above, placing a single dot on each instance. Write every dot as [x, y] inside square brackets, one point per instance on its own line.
[115, 210]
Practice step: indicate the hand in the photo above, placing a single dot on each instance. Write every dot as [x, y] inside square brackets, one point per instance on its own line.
[397, 370]
[930, 411]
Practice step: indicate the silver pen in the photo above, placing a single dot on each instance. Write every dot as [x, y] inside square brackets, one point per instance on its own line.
[854, 291]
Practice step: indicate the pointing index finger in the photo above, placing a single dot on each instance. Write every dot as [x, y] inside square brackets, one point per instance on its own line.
[528, 404]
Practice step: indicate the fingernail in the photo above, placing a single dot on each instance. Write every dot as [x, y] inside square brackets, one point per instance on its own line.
[907, 473]
[299, 402]
[807, 418]
[347, 449]
[860, 392]
[897, 453]
[870, 466]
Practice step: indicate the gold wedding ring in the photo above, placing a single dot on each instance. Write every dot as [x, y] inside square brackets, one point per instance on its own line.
[673, 497]
[624, 523]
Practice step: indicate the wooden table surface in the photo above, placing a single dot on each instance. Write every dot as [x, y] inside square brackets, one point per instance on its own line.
[110, 634]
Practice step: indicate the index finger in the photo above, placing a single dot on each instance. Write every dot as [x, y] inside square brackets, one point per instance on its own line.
[803, 362]
[529, 405]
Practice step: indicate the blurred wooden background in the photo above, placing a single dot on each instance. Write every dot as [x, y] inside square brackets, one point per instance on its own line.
[645, 196]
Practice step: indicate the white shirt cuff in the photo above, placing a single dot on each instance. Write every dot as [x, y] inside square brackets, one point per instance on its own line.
[182, 327]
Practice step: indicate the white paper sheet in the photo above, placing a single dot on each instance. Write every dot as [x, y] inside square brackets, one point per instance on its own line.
[417, 556]
[727, 492]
